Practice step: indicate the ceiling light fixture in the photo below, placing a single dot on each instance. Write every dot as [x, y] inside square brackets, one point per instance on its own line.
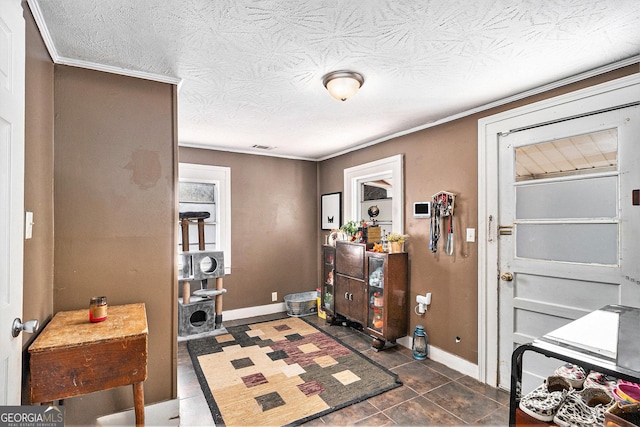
[342, 85]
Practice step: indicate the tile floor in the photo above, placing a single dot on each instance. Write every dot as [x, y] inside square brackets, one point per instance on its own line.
[432, 394]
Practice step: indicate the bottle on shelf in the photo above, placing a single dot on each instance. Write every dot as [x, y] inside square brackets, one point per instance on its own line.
[378, 300]
[385, 243]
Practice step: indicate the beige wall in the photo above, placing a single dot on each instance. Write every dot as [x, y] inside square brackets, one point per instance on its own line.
[441, 158]
[273, 223]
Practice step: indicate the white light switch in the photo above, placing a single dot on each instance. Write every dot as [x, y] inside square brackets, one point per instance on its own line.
[471, 234]
[28, 225]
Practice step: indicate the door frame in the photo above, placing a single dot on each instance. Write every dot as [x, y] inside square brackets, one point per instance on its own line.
[615, 93]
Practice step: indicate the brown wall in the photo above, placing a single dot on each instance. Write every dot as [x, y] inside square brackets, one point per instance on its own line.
[115, 213]
[273, 222]
[441, 158]
[38, 183]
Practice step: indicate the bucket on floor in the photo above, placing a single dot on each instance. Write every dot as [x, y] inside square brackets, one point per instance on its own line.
[301, 304]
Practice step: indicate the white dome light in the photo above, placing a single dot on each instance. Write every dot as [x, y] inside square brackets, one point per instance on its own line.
[342, 85]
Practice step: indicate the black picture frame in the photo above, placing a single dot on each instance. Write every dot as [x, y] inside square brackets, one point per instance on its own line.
[331, 211]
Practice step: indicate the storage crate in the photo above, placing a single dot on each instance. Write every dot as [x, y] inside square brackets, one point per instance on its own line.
[301, 304]
[622, 415]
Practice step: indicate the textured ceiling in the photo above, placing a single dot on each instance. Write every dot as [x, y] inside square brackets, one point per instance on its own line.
[251, 70]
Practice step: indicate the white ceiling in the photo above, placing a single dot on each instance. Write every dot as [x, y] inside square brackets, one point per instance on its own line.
[250, 71]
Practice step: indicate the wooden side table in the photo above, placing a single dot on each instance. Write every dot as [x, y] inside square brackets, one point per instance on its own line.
[73, 356]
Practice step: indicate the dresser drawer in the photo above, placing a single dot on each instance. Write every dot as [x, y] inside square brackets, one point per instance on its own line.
[350, 259]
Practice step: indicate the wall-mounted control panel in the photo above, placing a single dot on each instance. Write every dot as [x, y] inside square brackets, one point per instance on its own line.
[422, 209]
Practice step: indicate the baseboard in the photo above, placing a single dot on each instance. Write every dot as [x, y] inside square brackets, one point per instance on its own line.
[261, 310]
[450, 360]
[165, 413]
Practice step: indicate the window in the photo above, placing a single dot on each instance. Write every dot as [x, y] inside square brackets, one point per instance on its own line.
[200, 197]
[576, 155]
[204, 188]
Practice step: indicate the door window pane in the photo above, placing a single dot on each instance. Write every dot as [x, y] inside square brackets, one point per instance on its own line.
[581, 198]
[584, 243]
[588, 153]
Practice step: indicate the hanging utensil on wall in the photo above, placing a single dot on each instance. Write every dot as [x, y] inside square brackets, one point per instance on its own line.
[434, 229]
[442, 207]
[449, 246]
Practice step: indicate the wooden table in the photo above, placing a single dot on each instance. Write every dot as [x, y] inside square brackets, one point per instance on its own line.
[73, 356]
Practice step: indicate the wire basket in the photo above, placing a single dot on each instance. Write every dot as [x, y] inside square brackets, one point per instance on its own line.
[301, 304]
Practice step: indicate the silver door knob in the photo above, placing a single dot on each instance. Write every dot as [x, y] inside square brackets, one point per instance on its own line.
[30, 326]
[507, 277]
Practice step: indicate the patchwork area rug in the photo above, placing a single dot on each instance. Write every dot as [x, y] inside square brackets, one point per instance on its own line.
[282, 372]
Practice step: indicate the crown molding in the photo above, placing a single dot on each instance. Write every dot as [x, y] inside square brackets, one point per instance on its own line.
[118, 70]
[241, 151]
[538, 90]
[34, 6]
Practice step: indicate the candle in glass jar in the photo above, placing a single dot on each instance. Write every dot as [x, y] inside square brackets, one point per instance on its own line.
[98, 309]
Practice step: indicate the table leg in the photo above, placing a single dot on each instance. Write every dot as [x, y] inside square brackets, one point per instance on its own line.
[138, 402]
[516, 382]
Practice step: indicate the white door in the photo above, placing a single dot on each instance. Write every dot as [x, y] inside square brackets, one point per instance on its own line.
[12, 57]
[568, 229]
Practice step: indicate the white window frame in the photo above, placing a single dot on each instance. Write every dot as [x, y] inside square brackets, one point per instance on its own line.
[221, 177]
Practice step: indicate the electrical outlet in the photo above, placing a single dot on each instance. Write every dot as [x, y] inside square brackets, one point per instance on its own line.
[274, 296]
[424, 299]
[28, 225]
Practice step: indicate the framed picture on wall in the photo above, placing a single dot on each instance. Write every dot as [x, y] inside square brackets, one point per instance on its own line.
[331, 211]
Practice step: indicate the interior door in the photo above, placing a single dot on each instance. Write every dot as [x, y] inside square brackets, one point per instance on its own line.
[568, 228]
[12, 57]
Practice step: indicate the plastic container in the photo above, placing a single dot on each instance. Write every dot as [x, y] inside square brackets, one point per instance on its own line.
[301, 304]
